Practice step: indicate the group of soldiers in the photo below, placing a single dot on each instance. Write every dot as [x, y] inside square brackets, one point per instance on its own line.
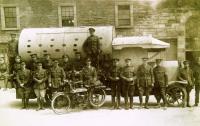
[40, 75]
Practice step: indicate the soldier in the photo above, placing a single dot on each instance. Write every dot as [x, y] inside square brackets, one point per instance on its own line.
[12, 49]
[161, 81]
[33, 62]
[56, 77]
[114, 76]
[91, 47]
[186, 74]
[3, 72]
[47, 62]
[145, 81]
[197, 81]
[128, 78]
[15, 68]
[77, 63]
[89, 74]
[66, 65]
[39, 78]
[23, 84]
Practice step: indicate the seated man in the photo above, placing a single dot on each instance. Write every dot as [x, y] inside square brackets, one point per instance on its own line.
[56, 77]
[89, 74]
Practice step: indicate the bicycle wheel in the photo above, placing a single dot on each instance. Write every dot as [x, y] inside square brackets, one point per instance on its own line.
[60, 103]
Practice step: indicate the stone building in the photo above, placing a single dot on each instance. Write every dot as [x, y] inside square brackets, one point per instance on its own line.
[129, 17]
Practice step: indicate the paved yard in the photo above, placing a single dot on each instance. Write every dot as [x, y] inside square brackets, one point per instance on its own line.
[12, 115]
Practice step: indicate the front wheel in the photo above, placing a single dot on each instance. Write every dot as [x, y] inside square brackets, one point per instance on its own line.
[176, 96]
[60, 103]
[97, 97]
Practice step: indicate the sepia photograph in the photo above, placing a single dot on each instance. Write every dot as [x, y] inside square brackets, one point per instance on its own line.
[99, 62]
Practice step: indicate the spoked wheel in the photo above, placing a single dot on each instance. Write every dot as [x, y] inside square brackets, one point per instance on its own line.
[176, 96]
[60, 103]
[97, 97]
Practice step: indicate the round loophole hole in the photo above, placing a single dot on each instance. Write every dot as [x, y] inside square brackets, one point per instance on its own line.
[57, 50]
[51, 45]
[28, 45]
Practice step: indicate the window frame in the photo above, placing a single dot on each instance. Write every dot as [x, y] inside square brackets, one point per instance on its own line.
[3, 23]
[117, 16]
[60, 14]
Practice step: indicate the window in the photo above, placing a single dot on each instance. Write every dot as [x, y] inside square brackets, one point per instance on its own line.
[124, 16]
[10, 18]
[67, 16]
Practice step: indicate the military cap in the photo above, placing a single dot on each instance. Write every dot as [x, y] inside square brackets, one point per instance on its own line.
[33, 55]
[77, 52]
[46, 54]
[115, 59]
[88, 60]
[145, 58]
[23, 63]
[185, 62]
[158, 60]
[65, 56]
[17, 57]
[13, 34]
[55, 61]
[92, 29]
[39, 64]
[127, 59]
[1, 56]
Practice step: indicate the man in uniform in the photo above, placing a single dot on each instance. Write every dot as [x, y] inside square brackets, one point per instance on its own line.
[16, 67]
[66, 65]
[114, 76]
[56, 77]
[89, 74]
[47, 62]
[128, 79]
[12, 49]
[186, 74]
[3, 73]
[91, 47]
[197, 81]
[39, 78]
[77, 64]
[23, 84]
[33, 62]
[161, 81]
[145, 81]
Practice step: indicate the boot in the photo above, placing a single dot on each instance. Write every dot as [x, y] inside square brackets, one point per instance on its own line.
[23, 103]
[131, 102]
[146, 102]
[118, 103]
[141, 101]
[39, 104]
[42, 103]
[126, 103]
[27, 103]
[113, 103]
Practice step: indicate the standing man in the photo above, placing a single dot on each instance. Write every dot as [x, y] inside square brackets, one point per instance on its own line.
[23, 84]
[186, 74]
[12, 49]
[128, 79]
[33, 62]
[56, 77]
[77, 64]
[89, 74]
[145, 81]
[197, 81]
[47, 62]
[66, 65]
[91, 47]
[161, 81]
[39, 78]
[16, 67]
[114, 76]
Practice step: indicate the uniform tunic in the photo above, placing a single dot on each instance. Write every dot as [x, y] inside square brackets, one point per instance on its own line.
[39, 78]
[128, 86]
[89, 75]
